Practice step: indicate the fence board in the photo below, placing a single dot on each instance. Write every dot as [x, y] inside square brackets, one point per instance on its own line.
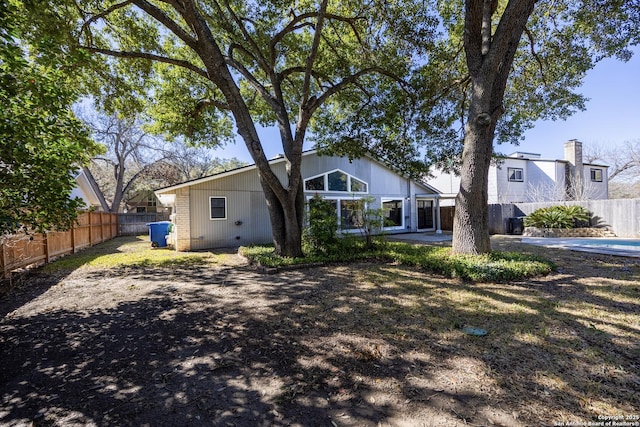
[620, 215]
[20, 251]
[133, 224]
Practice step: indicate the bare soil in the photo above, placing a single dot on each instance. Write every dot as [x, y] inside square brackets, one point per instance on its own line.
[346, 345]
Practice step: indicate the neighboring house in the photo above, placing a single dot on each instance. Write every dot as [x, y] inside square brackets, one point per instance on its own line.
[143, 202]
[527, 177]
[87, 190]
[229, 209]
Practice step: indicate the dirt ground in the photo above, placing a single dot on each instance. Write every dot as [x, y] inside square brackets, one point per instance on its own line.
[344, 345]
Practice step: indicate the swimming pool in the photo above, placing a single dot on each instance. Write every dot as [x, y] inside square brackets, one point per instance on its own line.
[609, 246]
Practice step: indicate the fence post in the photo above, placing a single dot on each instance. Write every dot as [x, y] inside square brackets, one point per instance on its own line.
[73, 239]
[45, 242]
[4, 261]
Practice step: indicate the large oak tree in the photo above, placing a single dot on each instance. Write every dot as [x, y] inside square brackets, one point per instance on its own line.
[211, 65]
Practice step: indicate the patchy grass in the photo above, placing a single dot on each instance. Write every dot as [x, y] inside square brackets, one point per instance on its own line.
[495, 267]
[130, 252]
[328, 345]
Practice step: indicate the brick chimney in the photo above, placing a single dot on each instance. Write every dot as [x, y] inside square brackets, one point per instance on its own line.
[575, 167]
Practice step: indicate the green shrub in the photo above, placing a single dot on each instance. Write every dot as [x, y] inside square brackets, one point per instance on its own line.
[494, 267]
[558, 217]
[321, 234]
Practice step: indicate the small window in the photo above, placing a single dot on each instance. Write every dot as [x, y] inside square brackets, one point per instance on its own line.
[315, 184]
[596, 175]
[218, 207]
[151, 201]
[358, 186]
[515, 174]
[392, 213]
[141, 209]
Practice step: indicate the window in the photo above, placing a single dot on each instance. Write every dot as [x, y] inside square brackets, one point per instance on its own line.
[151, 201]
[515, 174]
[315, 184]
[218, 207]
[350, 214]
[141, 209]
[358, 186]
[392, 213]
[335, 181]
[596, 175]
[338, 181]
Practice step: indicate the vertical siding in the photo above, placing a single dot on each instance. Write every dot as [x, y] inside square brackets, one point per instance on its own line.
[247, 214]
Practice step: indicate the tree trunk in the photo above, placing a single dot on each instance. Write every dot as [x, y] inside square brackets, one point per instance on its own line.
[286, 220]
[471, 219]
[489, 58]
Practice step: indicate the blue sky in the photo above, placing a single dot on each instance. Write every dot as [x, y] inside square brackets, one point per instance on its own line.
[611, 118]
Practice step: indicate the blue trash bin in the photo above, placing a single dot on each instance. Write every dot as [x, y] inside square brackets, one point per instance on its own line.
[158, 233]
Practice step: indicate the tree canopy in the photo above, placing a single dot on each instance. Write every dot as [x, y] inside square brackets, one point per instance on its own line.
[42, 143]
[199, 68]
[394, 79]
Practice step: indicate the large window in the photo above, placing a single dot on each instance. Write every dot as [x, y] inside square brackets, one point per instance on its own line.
[393, 215]
[218, 207]
[336, 181]
[596, 175]
[515, 174]
[348, 212]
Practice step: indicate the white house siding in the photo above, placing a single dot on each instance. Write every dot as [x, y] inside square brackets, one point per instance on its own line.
[245, 204]
[247, 217]
[506, 190]
[596, 190]
[383, 184]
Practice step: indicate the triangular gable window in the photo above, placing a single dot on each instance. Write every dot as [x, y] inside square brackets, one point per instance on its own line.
[336, 181]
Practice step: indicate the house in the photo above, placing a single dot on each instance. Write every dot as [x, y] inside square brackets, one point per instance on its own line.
[229, 209]
[527, 177]
[87, 189]
[143, 201]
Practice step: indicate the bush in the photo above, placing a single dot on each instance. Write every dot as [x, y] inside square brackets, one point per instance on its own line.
[558, 217]
[494, 267]
[321, 234]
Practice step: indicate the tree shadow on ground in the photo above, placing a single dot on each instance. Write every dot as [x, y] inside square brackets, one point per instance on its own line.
[366, 344]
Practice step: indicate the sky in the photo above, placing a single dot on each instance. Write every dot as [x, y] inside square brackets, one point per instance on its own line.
[611, 118]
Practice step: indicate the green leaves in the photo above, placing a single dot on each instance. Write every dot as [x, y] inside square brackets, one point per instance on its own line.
[42, 143]
[558, 217]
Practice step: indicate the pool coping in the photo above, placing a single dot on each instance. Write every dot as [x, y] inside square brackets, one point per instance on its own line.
[573, 243]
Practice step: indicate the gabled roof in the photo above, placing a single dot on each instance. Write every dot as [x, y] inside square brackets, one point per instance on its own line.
[247, 168]
[89, 190]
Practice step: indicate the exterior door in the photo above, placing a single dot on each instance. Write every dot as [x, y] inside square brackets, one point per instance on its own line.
[425, 214]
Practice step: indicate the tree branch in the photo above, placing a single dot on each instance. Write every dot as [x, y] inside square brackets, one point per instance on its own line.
[259, 87]
[169, 23]
[535, 55]
[151, 57]
[104, 13]
[261, 60]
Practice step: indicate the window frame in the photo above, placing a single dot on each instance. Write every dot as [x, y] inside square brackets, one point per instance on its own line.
[594, 173]
[325, 176]
[211, 218]
[515, 170]
[338, 201]
[402, 215]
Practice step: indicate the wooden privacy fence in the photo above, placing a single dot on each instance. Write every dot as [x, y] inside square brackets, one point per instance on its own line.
[19, 251]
